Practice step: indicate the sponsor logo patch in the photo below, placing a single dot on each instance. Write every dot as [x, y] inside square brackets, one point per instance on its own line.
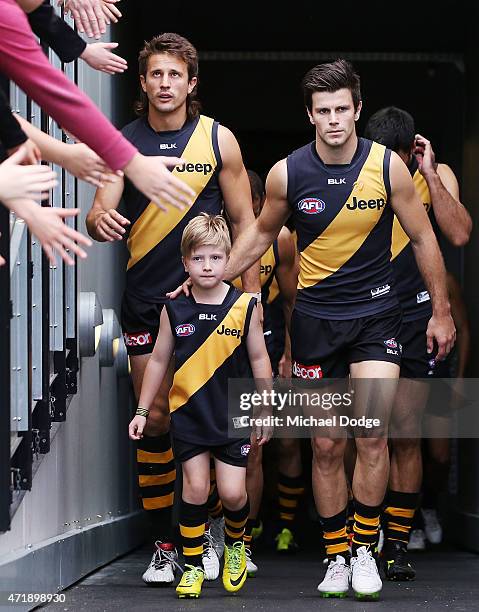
[228, 331]
[365, 204]
[245, 449]
[335, 181]
[380, 291]
[138, 339]
[310, 372]
[391, 343]
[186, 329]
[311, 206]
[422, 296]
[200, 168]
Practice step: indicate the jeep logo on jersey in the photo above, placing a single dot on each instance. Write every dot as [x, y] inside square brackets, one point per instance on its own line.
[139, 339]
[311, 206]
[186, 329]
[364, 204]
[266, 269]
[309, 372]
[228, 331]
[200, 168]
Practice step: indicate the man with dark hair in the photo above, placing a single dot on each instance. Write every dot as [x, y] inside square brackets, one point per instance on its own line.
[438, 191]
[343, 192]
[169, 122]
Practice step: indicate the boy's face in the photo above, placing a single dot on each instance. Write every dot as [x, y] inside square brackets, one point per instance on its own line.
[206, 266]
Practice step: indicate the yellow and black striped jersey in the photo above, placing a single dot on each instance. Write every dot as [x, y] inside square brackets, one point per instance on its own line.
[268, 263]
[343, 219]
[154, 266]
[210, 348]
[411, 290]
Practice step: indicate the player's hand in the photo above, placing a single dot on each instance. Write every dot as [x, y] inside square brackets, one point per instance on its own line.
[261, 434]
[285, 366]
[151, 176]
[86, 165]
[111, 225]
[425, 155]
[99, 57]
[136, 427]
[111, 12]
[2, 261]
[443, 331]
[32, 152]
[184, 288]
[47, 225]
[32, 182]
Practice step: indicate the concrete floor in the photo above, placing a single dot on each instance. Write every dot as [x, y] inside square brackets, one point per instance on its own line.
[447, 580]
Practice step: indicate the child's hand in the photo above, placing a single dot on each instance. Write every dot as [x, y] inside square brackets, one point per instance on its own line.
[136, 427]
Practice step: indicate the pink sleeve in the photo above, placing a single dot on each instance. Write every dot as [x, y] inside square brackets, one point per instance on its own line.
[23, 61]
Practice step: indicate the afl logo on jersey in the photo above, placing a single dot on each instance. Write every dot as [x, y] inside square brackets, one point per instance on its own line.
[311, 206]
[391, 343]
[187, 329]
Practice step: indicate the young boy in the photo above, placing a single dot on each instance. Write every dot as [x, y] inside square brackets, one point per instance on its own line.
[214, 332]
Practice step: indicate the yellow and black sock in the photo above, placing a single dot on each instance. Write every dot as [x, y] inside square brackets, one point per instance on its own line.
[399, 515]
[215, 507]
[235, 521]
[290, 491]
[193, 519]
[366, 527]
[335, 537]
[156, 479]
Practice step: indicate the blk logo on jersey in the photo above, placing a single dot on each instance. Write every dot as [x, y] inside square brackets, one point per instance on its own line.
[200, 168]
[167, 146]
[139, 339]
[365, 204]
[309, 372]
[311, 206]
[186, 329]
[207, 317]
[228, 331]
[336, 181]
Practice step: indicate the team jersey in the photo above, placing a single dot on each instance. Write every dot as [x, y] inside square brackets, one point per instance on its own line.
[269, 285]
[411, 290]
[210, 348]
[154, 266]
[343, 219]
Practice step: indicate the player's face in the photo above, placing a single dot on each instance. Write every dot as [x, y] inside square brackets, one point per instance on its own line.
[206, 266]
[334, 116]
[166, 82]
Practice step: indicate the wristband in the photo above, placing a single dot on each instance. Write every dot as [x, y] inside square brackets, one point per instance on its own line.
[144, 412]
[256, 295]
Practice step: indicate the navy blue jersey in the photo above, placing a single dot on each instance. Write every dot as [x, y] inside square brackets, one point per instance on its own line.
[154, 266]
[210, 348]
[343, 219]
[412, 293]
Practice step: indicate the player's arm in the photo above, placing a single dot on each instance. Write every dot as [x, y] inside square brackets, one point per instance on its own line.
[287, 276]
[261, 233]
[451, 215]
[459, 314]
[413, 218]
[103, 222]
[262, 373]
[236, 192]
[154, 373]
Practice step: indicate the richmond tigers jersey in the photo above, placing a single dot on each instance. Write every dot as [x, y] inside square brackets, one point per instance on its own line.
[411, 290]
[210, 348]
[154, 266]
[343, 221]
[269, 285]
